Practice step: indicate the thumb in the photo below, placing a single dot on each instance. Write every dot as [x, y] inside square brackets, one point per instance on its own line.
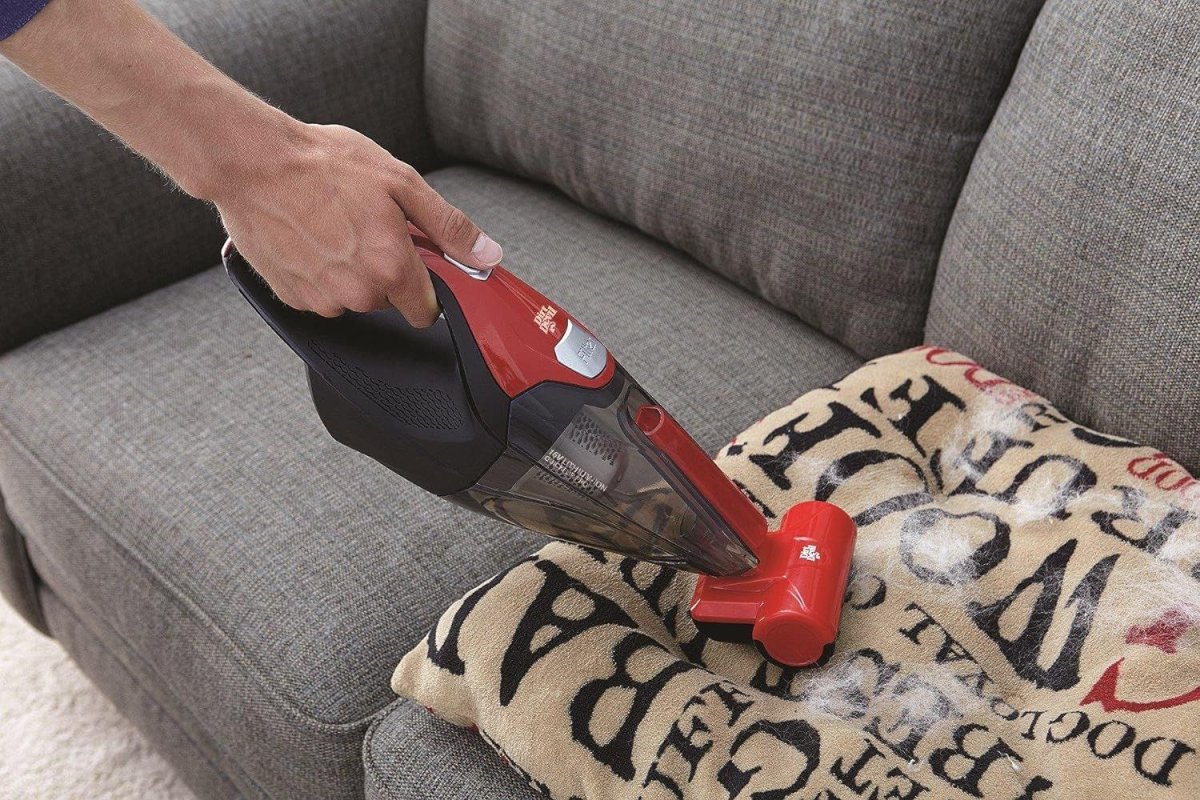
[448, 227]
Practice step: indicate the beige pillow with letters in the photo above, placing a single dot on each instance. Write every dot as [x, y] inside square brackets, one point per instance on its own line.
[1021, 620]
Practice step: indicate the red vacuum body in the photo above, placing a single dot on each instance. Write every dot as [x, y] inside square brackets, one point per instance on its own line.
[509, 406]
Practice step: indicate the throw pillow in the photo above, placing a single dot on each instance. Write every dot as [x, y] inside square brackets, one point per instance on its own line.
[1021, 620]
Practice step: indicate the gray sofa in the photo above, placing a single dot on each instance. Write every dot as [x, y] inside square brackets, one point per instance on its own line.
[745, 200]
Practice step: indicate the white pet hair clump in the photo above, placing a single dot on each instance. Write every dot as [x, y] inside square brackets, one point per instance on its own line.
[1182, 549]
[853, 688]
[946, 551]
[1149, 589]
[860, 691]
[878, 552]
[1160, 582]
[1160, 589]
[1037, 499]
[933, 559]
[806, 471]
[839, 689]
[986, 421]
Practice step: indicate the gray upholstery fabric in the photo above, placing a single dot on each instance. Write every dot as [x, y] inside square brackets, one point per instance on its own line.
[1072, 264]
[129, 693]
[87, 225]
[811, 151]
[18, 581]
[183, 500]
[409, 754]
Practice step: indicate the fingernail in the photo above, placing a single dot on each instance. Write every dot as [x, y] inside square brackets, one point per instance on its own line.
[486, 251]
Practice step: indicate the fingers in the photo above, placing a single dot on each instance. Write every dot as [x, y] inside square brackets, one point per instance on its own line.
[288, 295]
[334, 236]
[328, 299]
[397, 279]
[318, 301]
[412, 291]
[448, 227]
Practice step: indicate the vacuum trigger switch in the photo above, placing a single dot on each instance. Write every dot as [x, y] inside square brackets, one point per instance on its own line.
[477, 274]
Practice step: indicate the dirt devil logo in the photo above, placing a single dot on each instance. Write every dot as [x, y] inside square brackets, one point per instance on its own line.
[544, 319]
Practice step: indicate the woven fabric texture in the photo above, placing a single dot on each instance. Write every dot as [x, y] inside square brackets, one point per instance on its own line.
[811, 151]
[1021, 619]
[18, 584]
[87, 225]
[1072, 263]
[183, 500]
[16, 13]
[134, 698]
[411, 755]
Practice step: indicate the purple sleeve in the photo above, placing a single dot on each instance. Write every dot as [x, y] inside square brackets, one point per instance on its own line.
[15, 13]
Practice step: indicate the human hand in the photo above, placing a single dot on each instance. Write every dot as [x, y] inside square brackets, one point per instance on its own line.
[320, 211]
[325, 223]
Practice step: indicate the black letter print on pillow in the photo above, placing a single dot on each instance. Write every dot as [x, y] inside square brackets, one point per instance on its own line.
[922, 409]
[446, 656]
[795, 733]
[800, 442]
[968, 780]
[617, 752]
[1023, 652]
[1152, 537]
[521, 655]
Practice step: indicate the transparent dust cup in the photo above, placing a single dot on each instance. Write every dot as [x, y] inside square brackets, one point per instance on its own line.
[598, 481]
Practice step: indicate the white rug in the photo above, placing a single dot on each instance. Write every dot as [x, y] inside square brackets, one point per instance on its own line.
[60, 739]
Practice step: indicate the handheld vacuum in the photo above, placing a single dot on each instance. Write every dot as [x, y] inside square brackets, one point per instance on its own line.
[509, 406]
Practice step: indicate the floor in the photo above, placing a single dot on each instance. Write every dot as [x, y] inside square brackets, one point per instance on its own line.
[59, 737]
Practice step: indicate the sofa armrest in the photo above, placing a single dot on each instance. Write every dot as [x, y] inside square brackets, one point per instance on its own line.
[84, 224]
[408, 752]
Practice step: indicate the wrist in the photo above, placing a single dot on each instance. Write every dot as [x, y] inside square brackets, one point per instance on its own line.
[238, 144]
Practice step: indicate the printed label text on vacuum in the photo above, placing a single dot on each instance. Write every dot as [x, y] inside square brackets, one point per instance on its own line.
[572, 473]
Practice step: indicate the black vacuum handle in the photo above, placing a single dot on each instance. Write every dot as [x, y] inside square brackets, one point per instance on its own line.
[420, 401]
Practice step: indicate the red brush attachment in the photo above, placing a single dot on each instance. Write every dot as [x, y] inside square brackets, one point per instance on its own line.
[793, 598]
[791, 602]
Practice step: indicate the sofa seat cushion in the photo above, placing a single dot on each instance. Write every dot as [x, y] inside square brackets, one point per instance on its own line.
[409, 754]
[1022, 618]
[182, 499]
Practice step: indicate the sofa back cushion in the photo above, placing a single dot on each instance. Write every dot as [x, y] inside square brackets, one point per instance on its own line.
[811, 151]
[1072, 264]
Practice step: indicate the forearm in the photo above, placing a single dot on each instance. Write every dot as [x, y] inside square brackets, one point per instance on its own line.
[320, 211]
[125, 70]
